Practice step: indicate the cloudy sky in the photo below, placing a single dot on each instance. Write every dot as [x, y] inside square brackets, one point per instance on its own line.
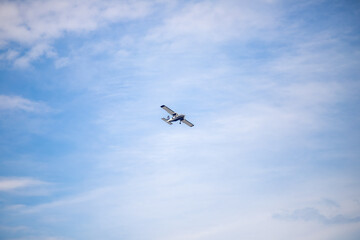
[272, 87]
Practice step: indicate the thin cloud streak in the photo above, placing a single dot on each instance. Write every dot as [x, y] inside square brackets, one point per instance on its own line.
[312, 214]
[9, 184]
[23, 104]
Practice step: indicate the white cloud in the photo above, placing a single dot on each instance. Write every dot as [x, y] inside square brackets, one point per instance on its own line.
[20, 103]
[313, 214]
[34, 24]
[215, 21]
[8, 184]
[9, 55]
[31, 21]
[79, 199]
[326, 54]
[62, 62]
[34, 53]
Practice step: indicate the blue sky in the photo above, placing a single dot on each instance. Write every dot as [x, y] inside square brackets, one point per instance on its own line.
[273, 90]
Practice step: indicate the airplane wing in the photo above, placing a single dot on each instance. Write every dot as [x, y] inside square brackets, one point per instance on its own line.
[168, 109]
[187, 123]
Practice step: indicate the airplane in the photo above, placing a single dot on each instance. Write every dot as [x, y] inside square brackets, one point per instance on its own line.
[175, 117]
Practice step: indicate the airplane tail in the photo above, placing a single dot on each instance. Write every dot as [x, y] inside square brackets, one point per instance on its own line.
[166, 120]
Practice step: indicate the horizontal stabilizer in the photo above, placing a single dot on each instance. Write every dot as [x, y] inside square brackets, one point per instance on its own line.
[165, 120]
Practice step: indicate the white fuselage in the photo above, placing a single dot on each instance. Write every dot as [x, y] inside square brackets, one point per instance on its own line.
[177, 117]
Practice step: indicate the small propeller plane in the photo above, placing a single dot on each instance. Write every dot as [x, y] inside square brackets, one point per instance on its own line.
[175, 117]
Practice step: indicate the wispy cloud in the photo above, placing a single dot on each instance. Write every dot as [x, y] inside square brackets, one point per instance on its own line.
[9, 184]
[32, 21]
[312, 214]
[33, 25]
[214, 21]
[40, 49]
[20, 103]
[66, 202]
